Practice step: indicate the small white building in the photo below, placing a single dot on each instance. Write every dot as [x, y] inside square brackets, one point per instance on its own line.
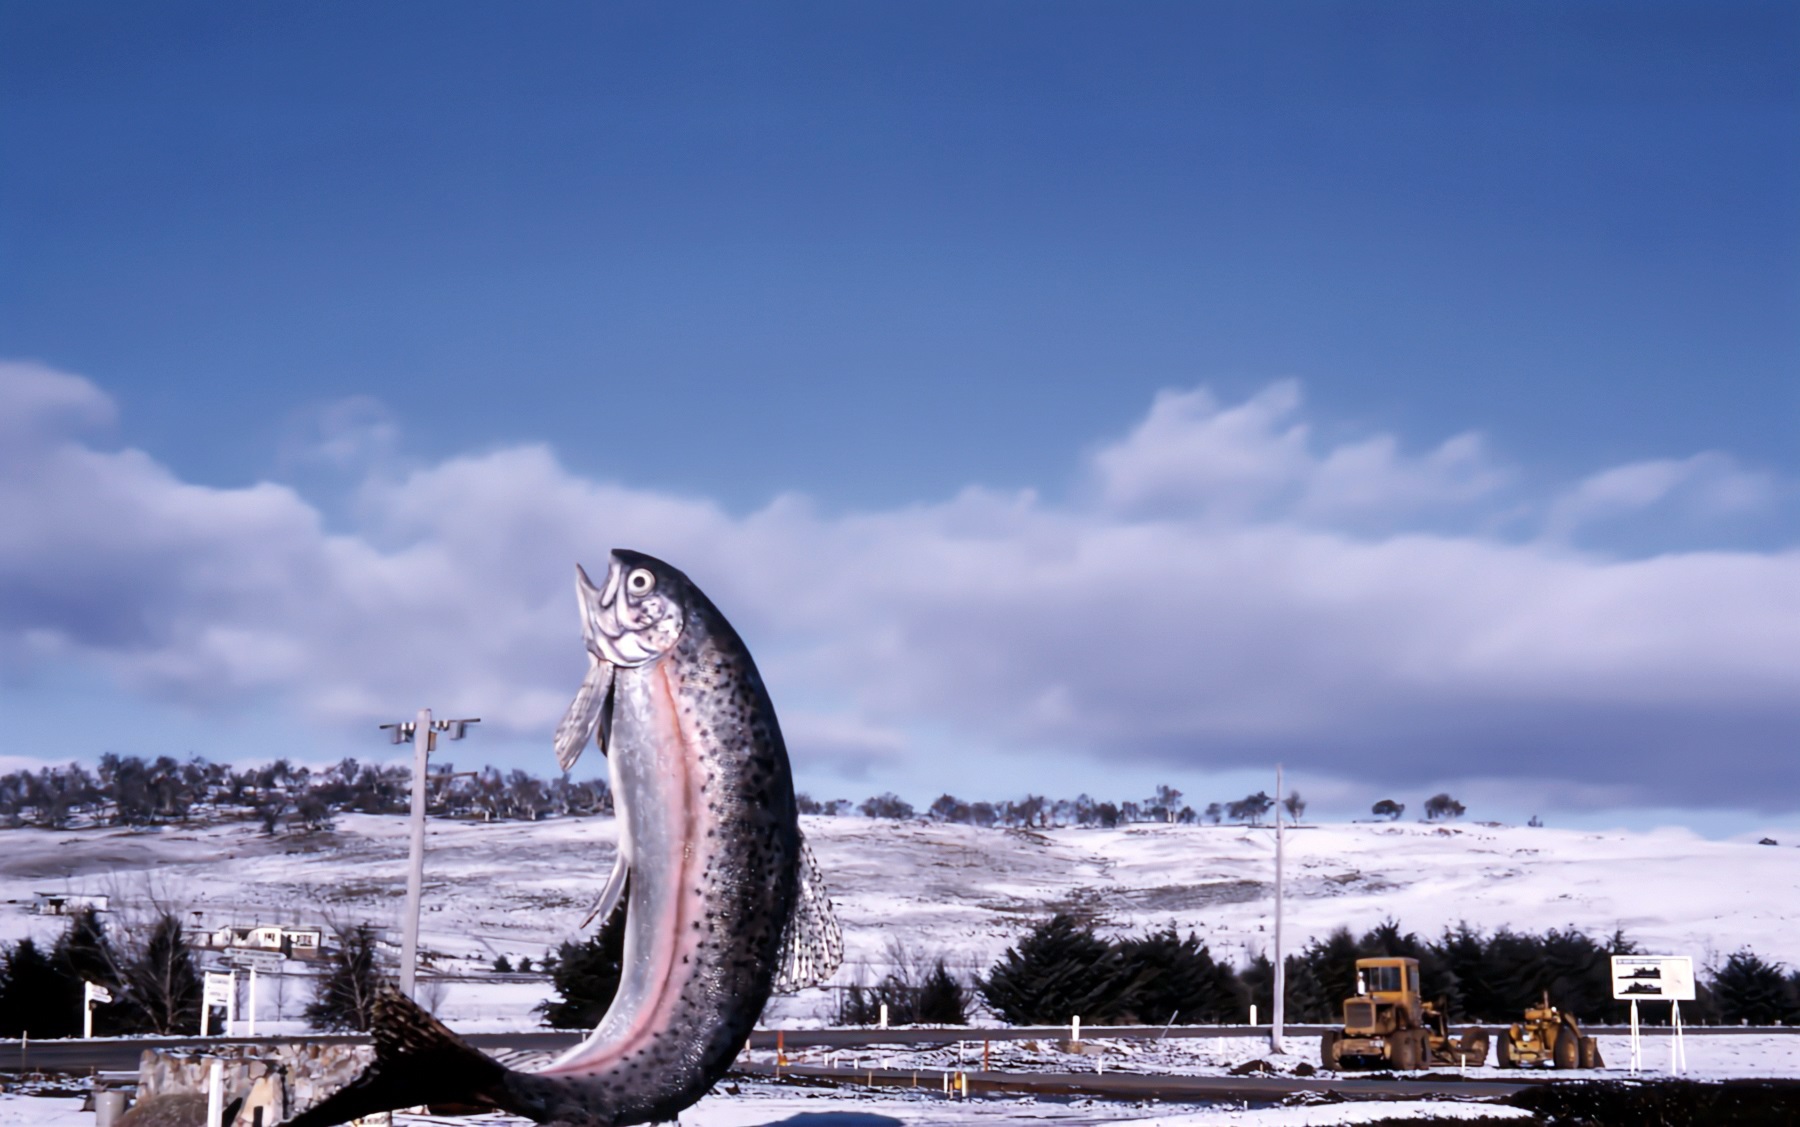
[296, 942]
[65, 903]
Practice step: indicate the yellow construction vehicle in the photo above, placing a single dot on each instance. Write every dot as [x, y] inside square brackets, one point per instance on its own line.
[1547, 1036]
[1388, 1025]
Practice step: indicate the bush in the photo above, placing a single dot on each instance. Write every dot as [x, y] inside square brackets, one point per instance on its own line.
[942, 1000]
[918, 989]
[888, 805]
[1442, 806]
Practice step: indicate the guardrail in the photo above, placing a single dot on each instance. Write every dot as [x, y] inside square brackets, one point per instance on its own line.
[121, 1053]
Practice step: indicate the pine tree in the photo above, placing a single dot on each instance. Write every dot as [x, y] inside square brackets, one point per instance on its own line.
[1463, 951]
[1748, 990]
[1171, 977]
[82, 954]
[587, 976]
[36, 996]
[345, 995]
[1058, 971]
[161, 984]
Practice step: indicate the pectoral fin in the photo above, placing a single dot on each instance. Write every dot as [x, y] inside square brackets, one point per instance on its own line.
[612, 893]
[589, 715]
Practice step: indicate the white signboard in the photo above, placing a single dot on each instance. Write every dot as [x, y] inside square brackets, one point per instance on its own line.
[97, 993]
[219, 990]
[260, 960]
[1653, 978]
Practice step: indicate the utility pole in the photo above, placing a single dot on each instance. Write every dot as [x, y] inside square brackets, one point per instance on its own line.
[1279, 1007]
[423, 734]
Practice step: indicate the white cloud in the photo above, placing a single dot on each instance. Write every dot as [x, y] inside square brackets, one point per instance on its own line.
[1706, 486]
[1206, 607]
[1193, 457]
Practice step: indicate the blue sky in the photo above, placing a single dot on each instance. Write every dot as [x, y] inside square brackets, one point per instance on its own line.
[870, 258]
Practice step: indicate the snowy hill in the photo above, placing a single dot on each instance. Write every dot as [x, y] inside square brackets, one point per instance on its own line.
[521, 888]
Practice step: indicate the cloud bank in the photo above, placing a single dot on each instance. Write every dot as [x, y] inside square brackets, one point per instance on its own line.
[1225, 588]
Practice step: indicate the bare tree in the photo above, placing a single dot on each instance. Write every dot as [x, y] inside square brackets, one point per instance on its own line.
[1294, 805]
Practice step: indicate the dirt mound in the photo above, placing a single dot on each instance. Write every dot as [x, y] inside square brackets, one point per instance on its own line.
[1665, 1103]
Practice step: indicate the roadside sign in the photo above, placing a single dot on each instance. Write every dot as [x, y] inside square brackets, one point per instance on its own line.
[1653, 978]
[219, 990]
[91, 995]
[261, 960]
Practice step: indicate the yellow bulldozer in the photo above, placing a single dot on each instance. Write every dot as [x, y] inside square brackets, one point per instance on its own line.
[1547, 1036]
[1388, 1025]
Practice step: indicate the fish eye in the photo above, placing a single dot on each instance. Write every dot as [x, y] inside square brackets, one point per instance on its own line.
[640, 582]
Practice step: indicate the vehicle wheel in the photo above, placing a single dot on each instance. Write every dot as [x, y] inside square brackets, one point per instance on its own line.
[1404, 1056]
[1567, 1051]
[1503, 1050]
[1590, 1053]
[1328, 1049]
[1474, 1048]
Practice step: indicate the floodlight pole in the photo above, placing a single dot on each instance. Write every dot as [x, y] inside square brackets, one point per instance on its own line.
[415, 862]
[1279, 1007]
[424, 732]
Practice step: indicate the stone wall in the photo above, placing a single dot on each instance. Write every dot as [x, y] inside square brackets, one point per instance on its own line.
[275, 1081]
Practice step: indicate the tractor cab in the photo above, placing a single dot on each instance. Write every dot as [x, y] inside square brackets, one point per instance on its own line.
[1386, 999]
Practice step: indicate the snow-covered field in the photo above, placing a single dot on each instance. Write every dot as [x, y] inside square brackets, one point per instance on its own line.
[1710, 1057]
[518, 889]
[755, 1106]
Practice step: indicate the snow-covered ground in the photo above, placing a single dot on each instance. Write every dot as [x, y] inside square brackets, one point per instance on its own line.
[518, 889]
[767, 1106]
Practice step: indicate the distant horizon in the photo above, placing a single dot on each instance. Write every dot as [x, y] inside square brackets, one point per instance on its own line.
[1716, 826]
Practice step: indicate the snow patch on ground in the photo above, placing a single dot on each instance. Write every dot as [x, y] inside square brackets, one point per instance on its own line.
[43, 1111]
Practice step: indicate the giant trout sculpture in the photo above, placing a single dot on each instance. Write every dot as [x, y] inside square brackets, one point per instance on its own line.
[722, 904]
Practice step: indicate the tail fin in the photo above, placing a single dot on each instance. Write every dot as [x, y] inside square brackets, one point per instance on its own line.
[417, 1061]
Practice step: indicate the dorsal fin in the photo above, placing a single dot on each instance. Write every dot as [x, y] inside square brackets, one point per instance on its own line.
[812, 946]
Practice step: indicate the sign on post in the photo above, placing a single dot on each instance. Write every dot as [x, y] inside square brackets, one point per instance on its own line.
[91, 995]
[219, 990]
[260, 960]
[1655, 978]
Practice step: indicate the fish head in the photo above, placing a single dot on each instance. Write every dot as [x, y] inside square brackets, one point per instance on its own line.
[637, 614]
